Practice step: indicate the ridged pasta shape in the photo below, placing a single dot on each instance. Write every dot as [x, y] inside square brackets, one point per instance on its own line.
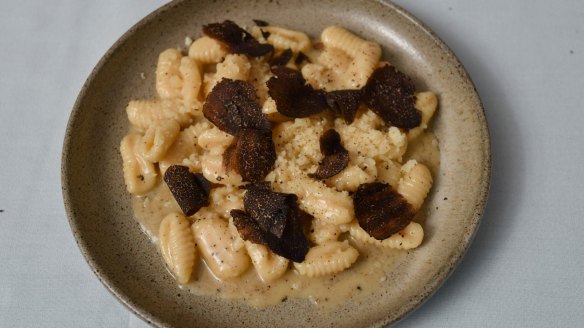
[426, 103]
[207, 50]
[269, 266]
[144, 113]
[319, 77]
[217, 246]
[354, 175]
[365, 54]
[335, 59]
[168, 78]
[177, 246]
[388, 171]
[409, 237]
[323, 232]
[192, 82]
[415, 183]
[327, 259]
[213, 169]
[158, 139]
[326, 203]
[234, 67]
[183, 147]
[282, 38]
[337, 37]
[139, 174]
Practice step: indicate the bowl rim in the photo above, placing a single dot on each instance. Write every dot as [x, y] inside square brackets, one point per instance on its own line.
[441, 276]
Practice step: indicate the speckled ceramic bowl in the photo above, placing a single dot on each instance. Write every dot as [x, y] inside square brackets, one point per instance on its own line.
[127, 263]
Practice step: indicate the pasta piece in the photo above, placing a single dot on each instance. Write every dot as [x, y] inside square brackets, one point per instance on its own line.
[388, 171]
[365, 55]
[214, 170]
[177, 246]
[214, 140]
[323, 233]
[168, 79]
[144, 113]
[224, 199]
[334, 59]
[192, 82]
[415, 183]
[234, 67]
[426, 102]
[327, 259]
[158, 139]
[360, 170]
[207, 50]
[139, 174]
[185, 147]
[282, 38]
[319, 77]
[409, 237]
[216, 244]
[268, 265]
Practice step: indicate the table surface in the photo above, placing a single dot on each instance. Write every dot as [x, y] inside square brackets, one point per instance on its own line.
[525, 267]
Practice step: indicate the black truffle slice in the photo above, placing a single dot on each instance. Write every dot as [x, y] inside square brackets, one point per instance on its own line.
[232, 106]
[293, 243]
[260, 22]
[344, 103]
[336, 157]
[238, 40]
[390, 94]
[380, 210]
[270, 209]
[262, 185]
[293, 97]
[254, 154]
[301, 58]
[283, 59]
[190, 190]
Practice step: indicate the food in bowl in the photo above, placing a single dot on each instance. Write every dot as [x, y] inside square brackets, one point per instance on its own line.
[270, 166]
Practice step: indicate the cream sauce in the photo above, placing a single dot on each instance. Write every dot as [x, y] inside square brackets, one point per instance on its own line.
[372, 267]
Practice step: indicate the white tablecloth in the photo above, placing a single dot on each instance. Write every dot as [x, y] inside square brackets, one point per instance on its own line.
[525, 267]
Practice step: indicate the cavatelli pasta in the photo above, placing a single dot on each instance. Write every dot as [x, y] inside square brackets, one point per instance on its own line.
[158, 139]
[207, 50]
[426, 103]
[184, 147]
[139, 174]
[409, 237]
[388, 171]
[268, 265]
[168, 78]
[192, 82]
[323, 232]
[282, 38]
[327, 259]
[177, 246]
[143, 113]
[415, 183]
[216, 244]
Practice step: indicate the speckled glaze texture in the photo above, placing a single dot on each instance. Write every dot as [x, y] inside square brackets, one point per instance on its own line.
[122, 257]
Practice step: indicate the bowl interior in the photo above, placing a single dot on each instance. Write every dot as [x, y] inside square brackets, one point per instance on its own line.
[123, 258]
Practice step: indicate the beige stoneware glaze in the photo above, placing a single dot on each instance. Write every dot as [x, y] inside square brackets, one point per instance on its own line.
[127, 263]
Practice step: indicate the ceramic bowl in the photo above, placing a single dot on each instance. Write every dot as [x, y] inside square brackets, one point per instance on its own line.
[125, 261]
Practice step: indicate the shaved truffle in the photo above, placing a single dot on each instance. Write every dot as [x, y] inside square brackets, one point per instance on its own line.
[380, 210]
[344, 103]
[191, 191]
[293, 97]
[283, 59]
[390, 94]
[262, 185]
[236, 39]
[291, 242]
[232, 106]
[270, 209]
[253, 155]
[260, 22]
[336, 157]
[301, 58]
